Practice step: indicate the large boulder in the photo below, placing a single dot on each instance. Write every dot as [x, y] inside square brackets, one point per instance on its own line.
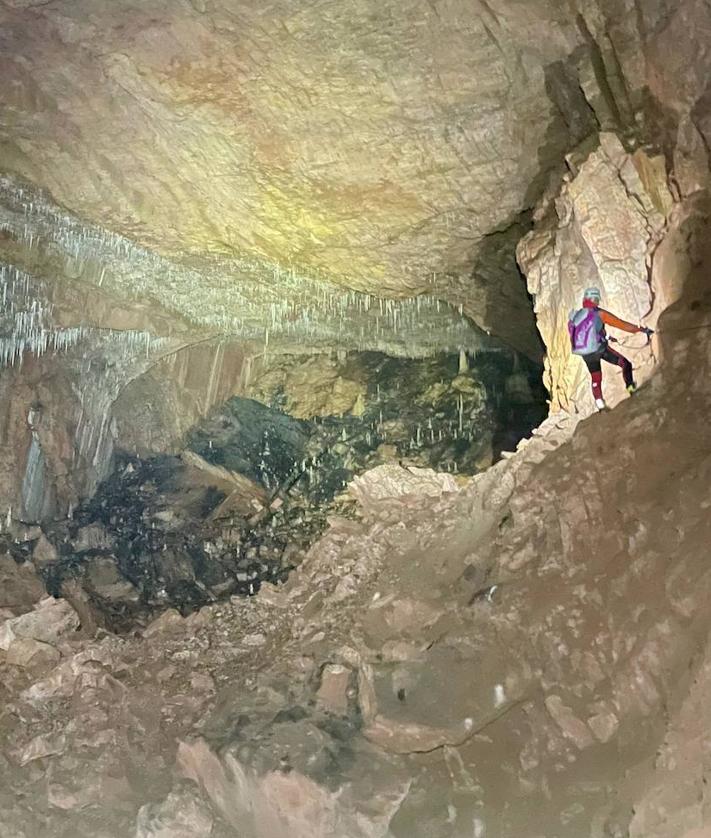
[26, 653]
[315, 388]
[392, 481]
[183, 814]
[288, 804]
[51, 620]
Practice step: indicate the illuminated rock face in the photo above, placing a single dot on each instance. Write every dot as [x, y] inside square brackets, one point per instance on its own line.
[372, 143]
[393, 148]
[601, 230]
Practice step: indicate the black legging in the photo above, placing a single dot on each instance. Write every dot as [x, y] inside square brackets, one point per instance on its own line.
[606, 354]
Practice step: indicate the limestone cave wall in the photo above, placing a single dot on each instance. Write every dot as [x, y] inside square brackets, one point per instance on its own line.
[189, 188]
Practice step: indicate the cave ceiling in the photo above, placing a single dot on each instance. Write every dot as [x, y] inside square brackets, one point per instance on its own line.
[383, 147]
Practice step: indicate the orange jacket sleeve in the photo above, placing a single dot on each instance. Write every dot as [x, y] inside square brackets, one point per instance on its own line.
[617, 322]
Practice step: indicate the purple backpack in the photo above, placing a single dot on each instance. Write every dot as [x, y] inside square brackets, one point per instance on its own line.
[586, 331]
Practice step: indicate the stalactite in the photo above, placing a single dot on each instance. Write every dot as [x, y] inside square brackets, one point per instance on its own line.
[26, 324]
[233, 297]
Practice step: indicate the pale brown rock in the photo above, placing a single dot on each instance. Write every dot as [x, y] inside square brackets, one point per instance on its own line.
[598, 232]
[571, 726]
[51, 620]
[106, 581]
[202, 682]
[273, 596]
[92, 788]
[409, 738]
[43, 746]
[394, 481]
[44, 552]
[367, 699]
[284, 804]
[254, 640]
[20, 587]
[399, 651]
[87, 669]
[672, 801]
[242, 492]
[333, 691]
[407, 616]
[158, 408]
[183, 814]
[27, 652]
[165, 674]
[691, 161]
[604, 726]
[315, 388]
[92, 537]
[169, 622]
[465, 384]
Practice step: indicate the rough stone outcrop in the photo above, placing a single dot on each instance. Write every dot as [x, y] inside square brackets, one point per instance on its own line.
[675, 800]
[535, 636]
[58, 428]
[181, 815]
[601, 229]
[271, 186]
[47, 623]
[157, 408]
[309, 387]
[392, 481]
[284, 804]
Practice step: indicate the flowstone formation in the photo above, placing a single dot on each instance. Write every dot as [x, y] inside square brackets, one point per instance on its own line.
[59, 383]
[220, 297]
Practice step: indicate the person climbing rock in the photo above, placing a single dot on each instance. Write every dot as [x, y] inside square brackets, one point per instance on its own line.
[589, 339]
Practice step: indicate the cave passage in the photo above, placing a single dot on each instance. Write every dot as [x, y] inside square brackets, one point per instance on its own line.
[253, 486]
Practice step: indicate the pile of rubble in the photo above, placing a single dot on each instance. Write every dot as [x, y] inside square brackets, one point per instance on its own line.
[254, 487]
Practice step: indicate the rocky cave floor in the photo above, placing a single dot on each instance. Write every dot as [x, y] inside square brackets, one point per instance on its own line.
[519, 653]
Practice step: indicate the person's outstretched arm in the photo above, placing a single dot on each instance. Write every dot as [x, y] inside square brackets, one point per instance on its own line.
[610, 319]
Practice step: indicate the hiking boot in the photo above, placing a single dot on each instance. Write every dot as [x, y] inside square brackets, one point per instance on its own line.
[600, 404]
